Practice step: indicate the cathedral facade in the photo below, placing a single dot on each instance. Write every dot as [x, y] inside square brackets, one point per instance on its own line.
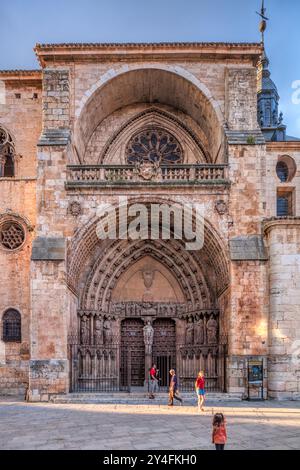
[166, 124]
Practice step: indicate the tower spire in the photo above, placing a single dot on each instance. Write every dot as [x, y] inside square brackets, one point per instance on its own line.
[263, 23]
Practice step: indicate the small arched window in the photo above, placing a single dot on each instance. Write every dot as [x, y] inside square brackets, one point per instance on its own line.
[11, 326]
[282, 171]
[9, 167]
[7, 154]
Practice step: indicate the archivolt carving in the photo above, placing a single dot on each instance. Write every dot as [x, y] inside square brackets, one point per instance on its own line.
[122, 255]
[85, 241]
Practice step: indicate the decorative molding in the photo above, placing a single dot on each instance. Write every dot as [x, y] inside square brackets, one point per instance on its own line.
[273, 222]
[75, 208]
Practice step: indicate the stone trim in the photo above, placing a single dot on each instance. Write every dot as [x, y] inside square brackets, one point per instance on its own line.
[242, 137]
[285, 146]
[48, 249]
[25, 75]
[62, 52]
[271, 222]
[141, 184]
[248, 248]
[54, 137]
[125, 45]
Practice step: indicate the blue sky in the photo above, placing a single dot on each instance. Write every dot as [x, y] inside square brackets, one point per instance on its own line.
[25, 22]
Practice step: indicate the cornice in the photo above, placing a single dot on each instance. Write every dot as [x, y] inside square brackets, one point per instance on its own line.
[272, 222]
[284, 146]
[21, 75]
[70, 52]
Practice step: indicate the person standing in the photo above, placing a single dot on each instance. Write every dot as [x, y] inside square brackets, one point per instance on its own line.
[200, 390]
[173, 389]
[153, 381]
[219, 433]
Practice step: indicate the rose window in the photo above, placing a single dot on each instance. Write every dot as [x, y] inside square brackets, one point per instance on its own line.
[12, 235]
[155, 146]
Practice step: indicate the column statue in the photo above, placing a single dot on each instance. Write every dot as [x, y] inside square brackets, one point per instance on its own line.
[148, 337]
[189, 331]
[84, 330]
[199, 331]
[98, 330]
[107, 331]
[212, 328]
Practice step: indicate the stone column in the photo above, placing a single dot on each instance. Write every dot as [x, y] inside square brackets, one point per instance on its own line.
[284, 320]
[48, 369]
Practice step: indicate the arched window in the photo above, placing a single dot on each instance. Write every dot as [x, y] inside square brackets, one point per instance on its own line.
[285, 202]
[11, 326]
[154, 146]
[7, 154]
[9, 167]
[282, 171]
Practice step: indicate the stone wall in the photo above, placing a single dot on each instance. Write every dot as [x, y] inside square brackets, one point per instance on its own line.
[241, 99]
[21, 116]
[284, 323]
[56, 99]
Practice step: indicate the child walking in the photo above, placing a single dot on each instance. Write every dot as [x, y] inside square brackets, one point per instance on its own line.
[219, 434]
[200, 390]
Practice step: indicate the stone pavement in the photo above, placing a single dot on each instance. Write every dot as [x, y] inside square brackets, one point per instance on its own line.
[267, 425]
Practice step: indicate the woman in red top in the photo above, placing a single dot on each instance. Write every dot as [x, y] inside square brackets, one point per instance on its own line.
[200, 390]
[219, 434]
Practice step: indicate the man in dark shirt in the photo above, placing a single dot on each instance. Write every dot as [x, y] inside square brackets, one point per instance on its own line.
[173, 389]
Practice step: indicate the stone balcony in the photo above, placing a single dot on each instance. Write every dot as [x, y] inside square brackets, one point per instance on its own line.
[147, 174]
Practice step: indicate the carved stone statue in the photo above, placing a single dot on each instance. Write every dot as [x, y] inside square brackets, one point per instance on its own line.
[84, 330]
[189, 331]
[98, 330]
[148, 337]
[199, 331]
[212, 328]
[107, 331]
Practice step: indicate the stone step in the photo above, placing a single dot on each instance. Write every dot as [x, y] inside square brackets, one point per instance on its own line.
[138, 398]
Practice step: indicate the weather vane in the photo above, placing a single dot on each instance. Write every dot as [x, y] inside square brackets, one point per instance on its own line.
[263, 23]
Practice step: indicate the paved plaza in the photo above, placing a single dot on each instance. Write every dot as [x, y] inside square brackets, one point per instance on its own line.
[268, 425]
